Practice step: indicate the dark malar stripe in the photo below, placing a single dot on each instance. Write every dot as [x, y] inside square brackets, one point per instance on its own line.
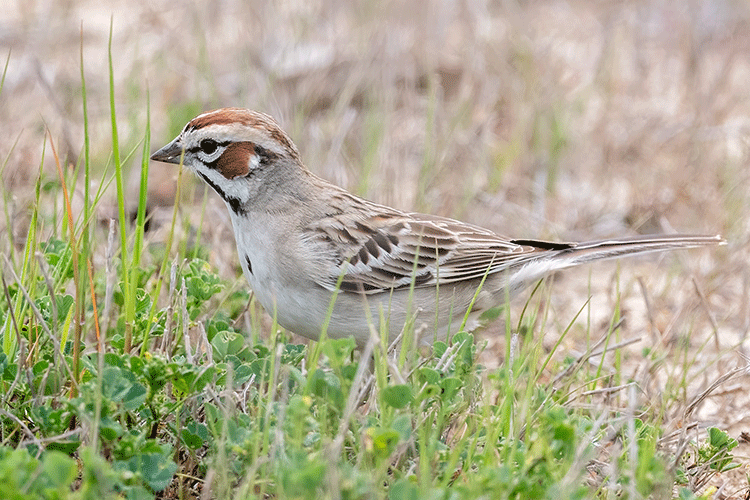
[234, 203]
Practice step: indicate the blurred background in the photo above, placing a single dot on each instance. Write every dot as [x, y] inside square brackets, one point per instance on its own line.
[540, 119]
[547, 118]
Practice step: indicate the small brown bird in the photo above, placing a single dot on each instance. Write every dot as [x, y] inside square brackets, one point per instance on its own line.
[301, 240]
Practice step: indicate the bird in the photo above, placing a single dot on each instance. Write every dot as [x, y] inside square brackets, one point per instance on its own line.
[320, 258]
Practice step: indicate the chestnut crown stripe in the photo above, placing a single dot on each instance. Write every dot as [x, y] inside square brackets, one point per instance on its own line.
[249, 119]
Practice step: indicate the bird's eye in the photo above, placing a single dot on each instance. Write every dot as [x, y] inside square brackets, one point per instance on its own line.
[208, 146]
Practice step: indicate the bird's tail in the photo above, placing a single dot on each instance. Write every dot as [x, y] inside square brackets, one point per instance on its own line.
[548, 257]
[591, 251]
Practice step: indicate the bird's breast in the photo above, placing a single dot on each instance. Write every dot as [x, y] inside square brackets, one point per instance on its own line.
[268, 254]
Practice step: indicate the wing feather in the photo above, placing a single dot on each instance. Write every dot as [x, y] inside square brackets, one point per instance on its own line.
[375, 249]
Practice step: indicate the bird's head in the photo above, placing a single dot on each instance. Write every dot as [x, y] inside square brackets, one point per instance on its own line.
[235, 151]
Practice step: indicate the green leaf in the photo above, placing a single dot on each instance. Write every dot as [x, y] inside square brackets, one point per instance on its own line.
[194, 435]
[109, 429]
[155, 466]
[429, 391]
[720, 439]
[398, 396]
[227, 343]
[383, 441]
[339, 351]
[9, 372]
[304, 475]
[50, 420]
[59, 468]
[293, 354]
[403, 425]
[450, 387]
[157, 470]
[327, 386]
[429, 375]
[404, 489]
[119, 385]
[438, 349]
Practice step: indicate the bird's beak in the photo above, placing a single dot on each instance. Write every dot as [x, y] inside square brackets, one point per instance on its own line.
[170, 153]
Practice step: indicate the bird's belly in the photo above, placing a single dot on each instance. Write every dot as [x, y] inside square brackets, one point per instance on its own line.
[385, 314]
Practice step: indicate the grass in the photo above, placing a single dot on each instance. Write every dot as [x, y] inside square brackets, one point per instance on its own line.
[135, 364]
[209, 413]
[172, 400]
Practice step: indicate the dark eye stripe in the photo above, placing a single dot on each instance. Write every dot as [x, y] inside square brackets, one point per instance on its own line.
[197, 148]
[265, 153]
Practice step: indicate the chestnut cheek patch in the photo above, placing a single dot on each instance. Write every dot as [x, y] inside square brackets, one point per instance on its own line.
[235, 161]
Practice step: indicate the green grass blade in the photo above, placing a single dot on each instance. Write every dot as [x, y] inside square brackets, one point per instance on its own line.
[128, 293]
[5, 72]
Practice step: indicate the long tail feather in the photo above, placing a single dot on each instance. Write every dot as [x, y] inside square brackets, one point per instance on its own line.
[609, 249]
[558, 256]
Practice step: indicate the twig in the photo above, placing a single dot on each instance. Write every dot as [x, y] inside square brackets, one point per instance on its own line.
[711, 318]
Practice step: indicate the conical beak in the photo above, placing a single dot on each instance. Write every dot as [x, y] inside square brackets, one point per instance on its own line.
[170, 153]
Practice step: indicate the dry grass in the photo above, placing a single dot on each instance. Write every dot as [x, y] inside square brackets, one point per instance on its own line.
[580, 119]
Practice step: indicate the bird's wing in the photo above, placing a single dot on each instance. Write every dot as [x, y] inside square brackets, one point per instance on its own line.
[386, 249]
